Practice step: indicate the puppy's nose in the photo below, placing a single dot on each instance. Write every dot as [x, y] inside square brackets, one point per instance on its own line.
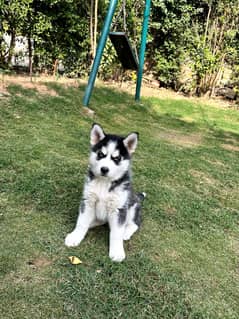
[104, 170]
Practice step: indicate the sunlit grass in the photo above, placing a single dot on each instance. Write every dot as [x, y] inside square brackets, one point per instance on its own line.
[184, 261]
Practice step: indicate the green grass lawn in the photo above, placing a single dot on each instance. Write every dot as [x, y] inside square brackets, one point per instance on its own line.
[183, 263]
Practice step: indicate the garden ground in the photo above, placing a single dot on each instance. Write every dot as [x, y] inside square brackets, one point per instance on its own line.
[183, 263]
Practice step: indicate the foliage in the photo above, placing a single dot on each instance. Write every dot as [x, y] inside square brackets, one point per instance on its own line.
[204, 31]
[13, 16]
[214, 42]
[203, 35]
[66, 36]
[168, 28]
[109, 66]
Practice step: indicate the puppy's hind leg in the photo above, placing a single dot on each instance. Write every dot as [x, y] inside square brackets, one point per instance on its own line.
[133, 221]
[130, 229]
[96, 223]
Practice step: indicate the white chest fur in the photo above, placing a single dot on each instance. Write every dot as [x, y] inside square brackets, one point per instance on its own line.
[104, 202]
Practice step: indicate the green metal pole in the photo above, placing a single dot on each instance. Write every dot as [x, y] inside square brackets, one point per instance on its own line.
[142, 49]
[99, 51]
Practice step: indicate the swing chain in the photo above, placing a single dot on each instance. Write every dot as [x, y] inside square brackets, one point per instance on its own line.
[121, 11]
[124, 16]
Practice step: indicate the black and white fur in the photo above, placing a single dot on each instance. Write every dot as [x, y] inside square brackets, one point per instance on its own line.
[108, 195]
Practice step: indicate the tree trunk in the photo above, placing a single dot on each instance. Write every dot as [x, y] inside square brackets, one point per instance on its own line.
[91, 28]
[95, 27]
[11, 47]
[30, 55]
[218, 75]
[55, 65]
[207, 24]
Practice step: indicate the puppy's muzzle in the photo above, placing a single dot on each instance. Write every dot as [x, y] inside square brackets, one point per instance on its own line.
[104, 171]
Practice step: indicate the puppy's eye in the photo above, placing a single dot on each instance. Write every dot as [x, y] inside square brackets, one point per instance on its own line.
[100, 155]
[116, 159]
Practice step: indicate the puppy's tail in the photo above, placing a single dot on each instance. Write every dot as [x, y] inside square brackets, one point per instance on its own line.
[141, 196]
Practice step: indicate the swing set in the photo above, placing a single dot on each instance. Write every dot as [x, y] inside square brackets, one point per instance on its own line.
[124, 50]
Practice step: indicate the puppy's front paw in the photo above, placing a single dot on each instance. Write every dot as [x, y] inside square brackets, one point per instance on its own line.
[73, 239]
[117, 256]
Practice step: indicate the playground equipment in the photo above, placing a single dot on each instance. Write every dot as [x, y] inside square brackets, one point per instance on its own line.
[123, 49]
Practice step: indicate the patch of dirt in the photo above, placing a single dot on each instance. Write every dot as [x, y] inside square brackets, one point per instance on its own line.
[120, 119]
[188, 119]
[235, 245]
[40, 262]
[230, 147]
[203, 178]
[43, 89]
[215, 162]
[159, 92]
[184, 140]
[3, 92]
[173, 254]
[39, 87]
[87, 111]
[129, 87]
[37, 83]
[169, 209]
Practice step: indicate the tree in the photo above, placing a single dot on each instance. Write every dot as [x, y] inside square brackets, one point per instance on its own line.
[201, 34]
[13, 14]
[169, 27]
[60, 33]
[214, 42]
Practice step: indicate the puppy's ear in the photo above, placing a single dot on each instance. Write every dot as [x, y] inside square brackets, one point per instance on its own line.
[96, 134]
[130, 142]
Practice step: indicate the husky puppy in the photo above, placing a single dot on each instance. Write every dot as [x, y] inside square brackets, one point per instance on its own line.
[108, 195]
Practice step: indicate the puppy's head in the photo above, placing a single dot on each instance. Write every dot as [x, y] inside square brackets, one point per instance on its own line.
[110, 154]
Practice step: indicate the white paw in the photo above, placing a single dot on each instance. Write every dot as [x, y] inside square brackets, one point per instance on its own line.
[73, 239]
[117, 256]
